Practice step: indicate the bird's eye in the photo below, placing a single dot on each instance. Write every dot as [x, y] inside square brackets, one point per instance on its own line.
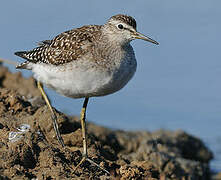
[120, 26]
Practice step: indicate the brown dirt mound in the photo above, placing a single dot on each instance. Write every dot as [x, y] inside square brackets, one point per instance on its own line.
[35, 153]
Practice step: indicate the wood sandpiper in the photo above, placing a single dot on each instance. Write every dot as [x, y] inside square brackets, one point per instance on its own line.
[90, 61]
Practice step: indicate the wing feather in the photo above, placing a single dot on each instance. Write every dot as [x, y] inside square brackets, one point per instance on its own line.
[67, 46]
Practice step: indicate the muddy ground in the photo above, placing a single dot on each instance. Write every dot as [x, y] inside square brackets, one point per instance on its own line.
[34, 153]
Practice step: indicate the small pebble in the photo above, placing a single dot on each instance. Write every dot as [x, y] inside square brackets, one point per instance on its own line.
[24, 127]
[14, 136]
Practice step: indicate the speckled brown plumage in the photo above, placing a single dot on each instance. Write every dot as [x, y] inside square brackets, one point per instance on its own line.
[65, 47]
[72, 45]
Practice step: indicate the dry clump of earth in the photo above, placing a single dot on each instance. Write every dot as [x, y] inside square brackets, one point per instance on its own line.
[35, 153]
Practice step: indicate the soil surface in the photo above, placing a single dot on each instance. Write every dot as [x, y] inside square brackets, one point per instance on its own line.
[29, 148]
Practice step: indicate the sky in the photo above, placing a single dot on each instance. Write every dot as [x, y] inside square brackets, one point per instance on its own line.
[177, 84]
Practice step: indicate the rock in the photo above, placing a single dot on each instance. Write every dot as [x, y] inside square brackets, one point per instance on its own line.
[216, 176]
[36, 154]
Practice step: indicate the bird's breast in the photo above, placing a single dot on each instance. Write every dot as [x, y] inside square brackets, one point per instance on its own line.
[83, 78]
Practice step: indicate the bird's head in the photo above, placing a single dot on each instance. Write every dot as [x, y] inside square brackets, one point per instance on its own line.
[123, 28]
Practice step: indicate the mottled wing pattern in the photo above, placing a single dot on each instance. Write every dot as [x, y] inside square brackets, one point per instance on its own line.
[65, 47]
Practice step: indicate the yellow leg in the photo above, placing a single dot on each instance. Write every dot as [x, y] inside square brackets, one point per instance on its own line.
[84, 136]
[83, 126]
[53, 115]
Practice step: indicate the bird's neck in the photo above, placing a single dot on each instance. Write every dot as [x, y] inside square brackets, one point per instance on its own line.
[112, 49]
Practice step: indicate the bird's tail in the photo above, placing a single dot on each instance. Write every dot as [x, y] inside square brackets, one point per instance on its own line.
[23, 65]
[22, 54]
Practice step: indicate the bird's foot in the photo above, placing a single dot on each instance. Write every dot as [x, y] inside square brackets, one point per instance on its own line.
[85, 158]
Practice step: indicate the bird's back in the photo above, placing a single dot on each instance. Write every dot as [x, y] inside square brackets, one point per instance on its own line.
[66, 47]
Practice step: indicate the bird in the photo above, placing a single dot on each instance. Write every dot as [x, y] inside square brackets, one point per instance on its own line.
[85, 62]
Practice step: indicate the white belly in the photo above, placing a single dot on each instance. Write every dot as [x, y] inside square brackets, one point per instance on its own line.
[78, 80]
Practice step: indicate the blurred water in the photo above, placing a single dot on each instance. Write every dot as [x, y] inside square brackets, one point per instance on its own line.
[177, 84]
